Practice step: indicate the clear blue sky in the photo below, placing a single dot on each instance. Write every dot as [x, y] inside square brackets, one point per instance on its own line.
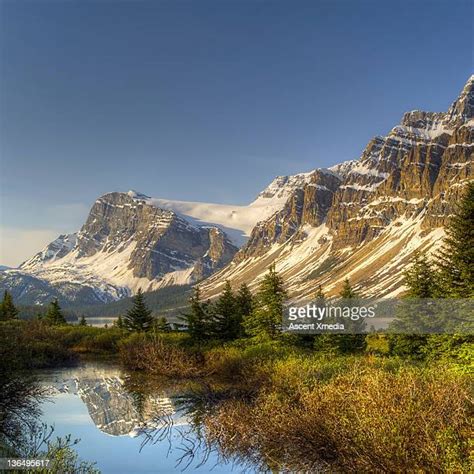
[204, 100]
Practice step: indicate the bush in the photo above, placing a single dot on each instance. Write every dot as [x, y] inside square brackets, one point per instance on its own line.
[93, 340]
[33, 345]
[246, 361]
[155, 354]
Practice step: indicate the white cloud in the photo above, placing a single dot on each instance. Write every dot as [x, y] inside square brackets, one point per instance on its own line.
[17, 245]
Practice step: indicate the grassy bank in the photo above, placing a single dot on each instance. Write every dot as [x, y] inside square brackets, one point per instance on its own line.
[36, 344]
[351, 415]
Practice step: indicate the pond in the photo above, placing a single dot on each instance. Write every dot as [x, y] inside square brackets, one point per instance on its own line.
[128, 423]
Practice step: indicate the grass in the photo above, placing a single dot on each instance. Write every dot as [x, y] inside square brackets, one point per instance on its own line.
[161, 355]
[302, 410]
[350, 415]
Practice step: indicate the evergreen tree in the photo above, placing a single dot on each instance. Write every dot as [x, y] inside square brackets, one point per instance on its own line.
[138, 318]
[456, 258]
[54, 314]
[407, 338]
[320, 297]
[118, 323]
[7, 308]
[162, 325]
[82, 321]
[227, 315]
[322, 342]
[347, 292]
[315, 340]
[352, 341]
[244, 300]
[199, 319]
[421, 279]
[356, 340]
[265, 320]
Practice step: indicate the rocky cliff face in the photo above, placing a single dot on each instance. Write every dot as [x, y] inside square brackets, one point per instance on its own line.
[126, 243]
[364, 218]
[308, 203]
[162, 241]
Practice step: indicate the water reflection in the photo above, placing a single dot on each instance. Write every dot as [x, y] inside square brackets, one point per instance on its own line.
[129, 422]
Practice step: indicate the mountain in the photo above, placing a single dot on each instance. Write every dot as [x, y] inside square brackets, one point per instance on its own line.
[126, 243]
[237, 221]
[132, 241]
[364, 219]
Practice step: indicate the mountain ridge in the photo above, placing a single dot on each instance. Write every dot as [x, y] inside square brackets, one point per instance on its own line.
[361, 219]
[395, 199]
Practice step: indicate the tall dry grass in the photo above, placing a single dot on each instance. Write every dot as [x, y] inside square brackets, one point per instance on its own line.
[366, 419]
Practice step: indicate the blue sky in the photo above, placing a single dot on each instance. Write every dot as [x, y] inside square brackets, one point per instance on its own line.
[203, 100]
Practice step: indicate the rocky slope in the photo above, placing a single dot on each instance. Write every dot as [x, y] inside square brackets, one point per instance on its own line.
[363, 219]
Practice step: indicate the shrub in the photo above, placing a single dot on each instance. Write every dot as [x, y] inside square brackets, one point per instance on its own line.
[95, 340]
[34, 345]
[155, 354]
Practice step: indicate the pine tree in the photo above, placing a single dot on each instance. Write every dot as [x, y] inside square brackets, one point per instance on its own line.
[319, 297]
[139, 317]
[118, 323]
[227, 317]
[7, 308]
[421, 279]
[199, 319]
[162, 325]
[82, 321]
[54, 314]
[456, 258]
[315, 341]
[347, 292]
[321, 342]
[422, 282]
[265, 319]
[244, 300]
[355, 341]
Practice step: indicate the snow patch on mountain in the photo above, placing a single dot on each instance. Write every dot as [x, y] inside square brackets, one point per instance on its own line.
[236, 220]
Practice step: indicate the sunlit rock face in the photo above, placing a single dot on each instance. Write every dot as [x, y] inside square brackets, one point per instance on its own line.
[364, 219]
[126, 243]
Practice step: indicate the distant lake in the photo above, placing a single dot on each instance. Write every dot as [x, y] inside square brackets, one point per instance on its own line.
[126, 425]
[100, 321]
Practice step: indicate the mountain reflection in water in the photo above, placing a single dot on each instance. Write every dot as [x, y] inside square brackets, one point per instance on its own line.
[128, 422]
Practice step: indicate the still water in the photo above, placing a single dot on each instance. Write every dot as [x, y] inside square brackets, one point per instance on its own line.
[127, 425]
